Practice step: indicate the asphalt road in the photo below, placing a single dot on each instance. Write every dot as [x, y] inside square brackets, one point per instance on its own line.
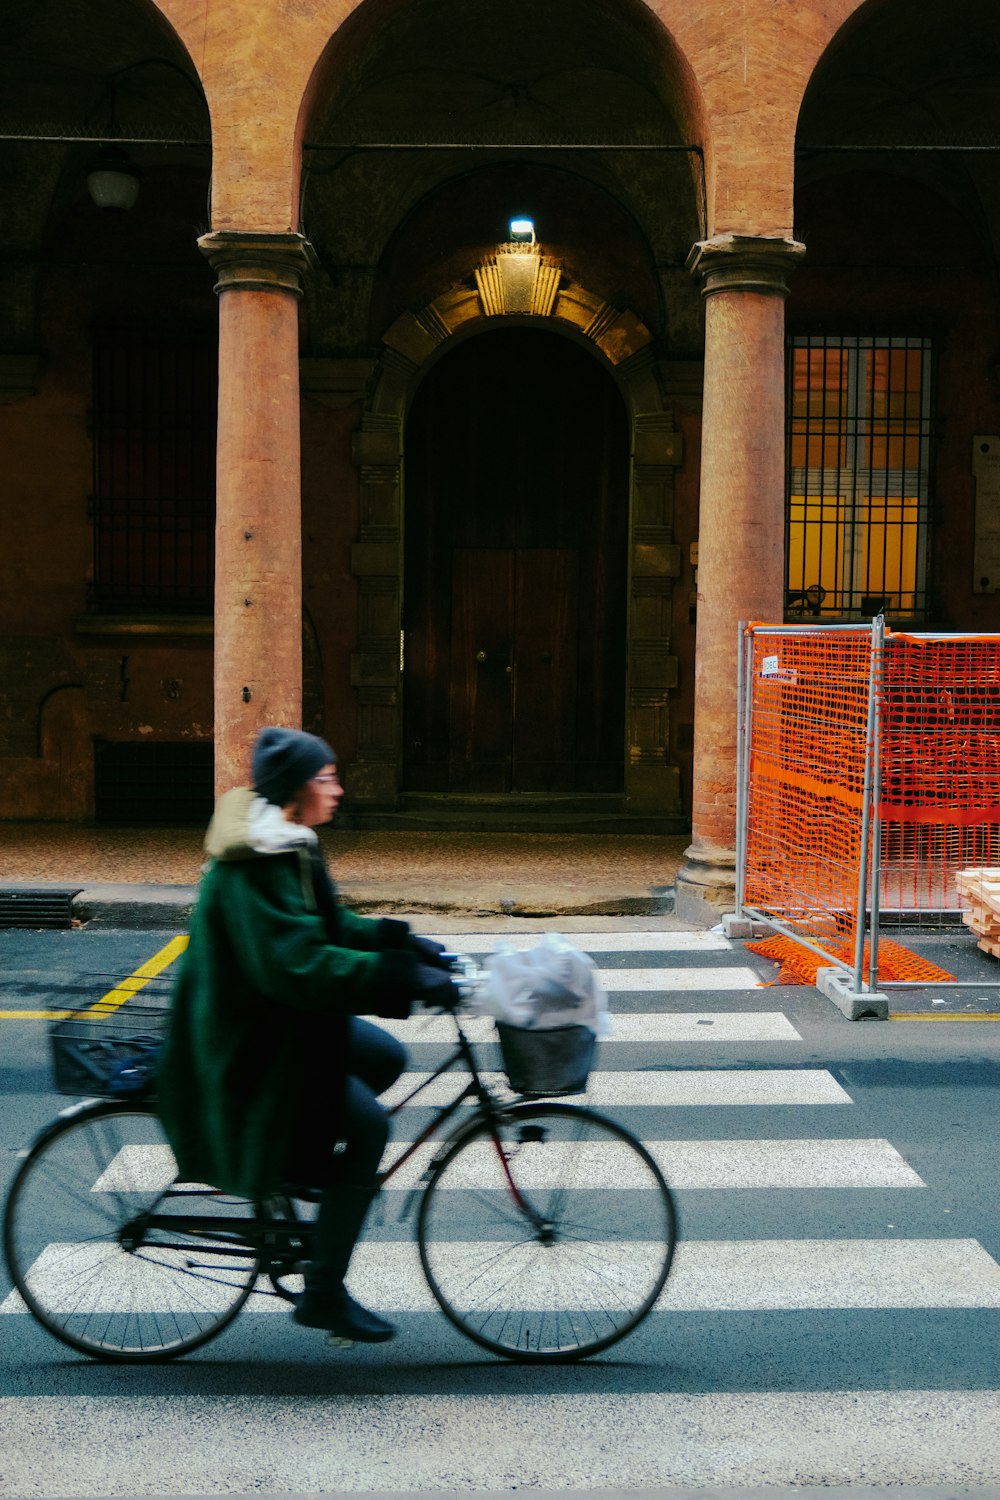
[832, 1318]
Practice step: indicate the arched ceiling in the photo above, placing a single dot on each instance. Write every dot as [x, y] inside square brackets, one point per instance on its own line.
[909, 72]
[577, 96]
[911, 88]
[57, 57]
[74, 73]
[470, 70]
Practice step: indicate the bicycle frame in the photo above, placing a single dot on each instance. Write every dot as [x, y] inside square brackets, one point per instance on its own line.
[488, 1108]
[252, 1236]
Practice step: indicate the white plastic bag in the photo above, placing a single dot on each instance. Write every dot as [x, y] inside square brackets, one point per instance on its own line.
[550, 985]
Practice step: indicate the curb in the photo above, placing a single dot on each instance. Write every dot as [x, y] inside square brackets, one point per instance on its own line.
[149, 906]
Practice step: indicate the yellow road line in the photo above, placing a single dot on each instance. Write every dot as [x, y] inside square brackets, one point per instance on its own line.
[109, 1003]
[920, 1015]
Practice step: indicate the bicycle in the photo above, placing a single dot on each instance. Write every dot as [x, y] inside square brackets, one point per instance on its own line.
[521, 1248]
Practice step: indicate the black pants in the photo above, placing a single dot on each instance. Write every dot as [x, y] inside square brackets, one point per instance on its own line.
[374, 1062]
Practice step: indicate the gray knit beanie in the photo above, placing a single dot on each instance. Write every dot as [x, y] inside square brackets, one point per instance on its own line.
[284, 759]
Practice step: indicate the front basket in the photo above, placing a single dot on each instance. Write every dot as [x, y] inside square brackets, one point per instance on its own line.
[108, 1053]
[557, 1061]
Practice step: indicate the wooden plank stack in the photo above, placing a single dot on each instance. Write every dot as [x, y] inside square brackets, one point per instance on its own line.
[980, 888]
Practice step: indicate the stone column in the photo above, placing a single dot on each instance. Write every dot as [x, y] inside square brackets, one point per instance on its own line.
[741, 540]
[258, 531]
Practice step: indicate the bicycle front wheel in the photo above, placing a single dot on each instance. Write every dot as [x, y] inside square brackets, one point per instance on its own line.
[548, 1235]
[114, 1256]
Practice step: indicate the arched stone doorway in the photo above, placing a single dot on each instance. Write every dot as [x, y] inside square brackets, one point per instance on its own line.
[615, 339]
[423, 140]
[515, 570]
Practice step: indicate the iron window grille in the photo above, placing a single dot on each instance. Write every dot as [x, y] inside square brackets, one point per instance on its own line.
[858, 475]
[153, 503]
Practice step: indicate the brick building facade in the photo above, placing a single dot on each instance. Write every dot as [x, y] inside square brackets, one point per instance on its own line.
[485, 509]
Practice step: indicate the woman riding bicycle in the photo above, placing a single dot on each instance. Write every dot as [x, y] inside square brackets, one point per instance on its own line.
[269, 1074]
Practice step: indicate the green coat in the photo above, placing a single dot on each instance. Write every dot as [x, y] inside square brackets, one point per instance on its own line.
[251, 1078]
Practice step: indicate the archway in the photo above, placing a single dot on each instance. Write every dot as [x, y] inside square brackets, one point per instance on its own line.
[894, 316]
[515, 569]
[620, 345]
[107, 399]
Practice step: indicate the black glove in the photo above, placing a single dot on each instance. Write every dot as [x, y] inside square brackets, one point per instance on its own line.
[426, 950]
[435, 990]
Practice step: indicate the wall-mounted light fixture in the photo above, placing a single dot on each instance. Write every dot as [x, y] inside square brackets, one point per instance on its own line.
[517, 265]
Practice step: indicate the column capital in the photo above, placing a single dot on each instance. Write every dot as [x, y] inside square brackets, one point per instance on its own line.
[745, 263]
[257, 262]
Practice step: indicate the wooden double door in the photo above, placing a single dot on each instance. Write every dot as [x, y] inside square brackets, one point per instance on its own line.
[515, 571]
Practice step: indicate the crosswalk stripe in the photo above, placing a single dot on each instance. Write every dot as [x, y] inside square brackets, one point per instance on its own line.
[707, 1276]
[645, 1026]
[663, 1088]
[749, 1164]
[589, 942]
[660, 981]
[445, 1435]
[736, 1275]
[738, 1163]
[693, 980]
[704, 1026]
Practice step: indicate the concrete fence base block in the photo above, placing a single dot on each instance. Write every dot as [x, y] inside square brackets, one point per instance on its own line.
[836, 986]
[736, 927]
[743, 927]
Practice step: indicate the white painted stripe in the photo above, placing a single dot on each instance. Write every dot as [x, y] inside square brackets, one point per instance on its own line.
[685, 1164]
[702, 1026]
[661, 980]
[733, 1275]
[708, 1276]
[571, 1441]
[645, 1026]
[591, 942]
[729, 1275]
[145, 1169]
[747, 1275]
[96, 1278]
[757, 1164]
[717, 1086]
[660, 1088]
[747, 1164]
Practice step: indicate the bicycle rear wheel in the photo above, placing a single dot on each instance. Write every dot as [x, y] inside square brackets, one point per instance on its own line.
[548, 1236]
[88, 1263]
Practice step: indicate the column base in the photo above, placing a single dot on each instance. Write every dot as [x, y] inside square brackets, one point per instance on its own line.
[706, 885]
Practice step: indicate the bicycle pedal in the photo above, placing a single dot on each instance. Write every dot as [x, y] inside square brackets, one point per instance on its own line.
[337, 1341]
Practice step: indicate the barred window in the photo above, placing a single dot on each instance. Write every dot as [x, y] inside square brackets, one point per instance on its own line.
[858, 467]
[153, 505]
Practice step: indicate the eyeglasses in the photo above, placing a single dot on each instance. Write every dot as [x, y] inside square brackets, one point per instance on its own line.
[332, 779]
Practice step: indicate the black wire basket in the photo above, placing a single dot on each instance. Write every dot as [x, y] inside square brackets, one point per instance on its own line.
[553, 1061]
[102, 1051]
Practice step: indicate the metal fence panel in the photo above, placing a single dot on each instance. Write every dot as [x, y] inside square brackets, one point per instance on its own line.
[869, 778]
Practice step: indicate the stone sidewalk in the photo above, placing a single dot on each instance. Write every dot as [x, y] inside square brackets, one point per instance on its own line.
[148, 876]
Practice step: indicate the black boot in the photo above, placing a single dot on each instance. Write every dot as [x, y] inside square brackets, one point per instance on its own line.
[326, 1303]
[339, 1314]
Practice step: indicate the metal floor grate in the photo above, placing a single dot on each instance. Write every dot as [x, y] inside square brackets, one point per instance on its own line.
[39, 906]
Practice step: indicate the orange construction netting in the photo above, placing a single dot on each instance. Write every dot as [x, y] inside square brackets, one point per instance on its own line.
[937, 777]
[808, 715]
[940, 766]
[799, 964]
